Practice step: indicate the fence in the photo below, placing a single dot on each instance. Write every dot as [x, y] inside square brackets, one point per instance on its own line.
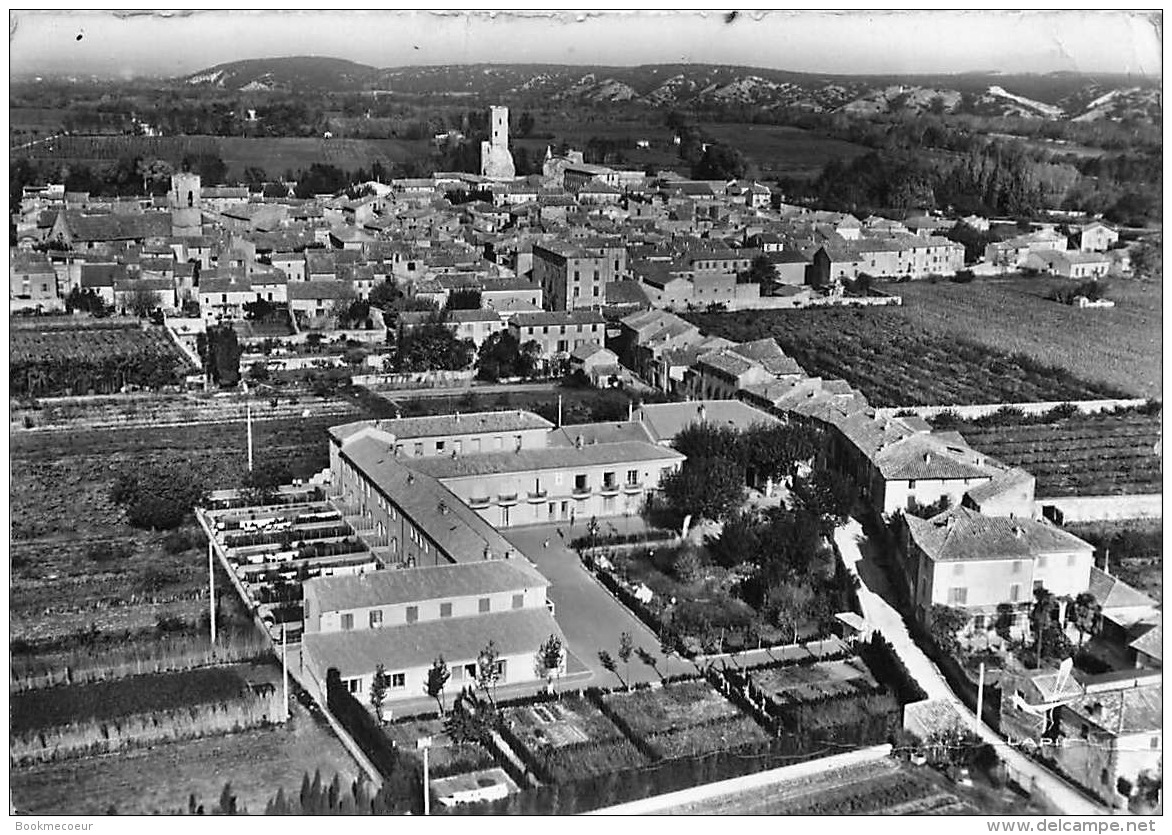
[1088, 407]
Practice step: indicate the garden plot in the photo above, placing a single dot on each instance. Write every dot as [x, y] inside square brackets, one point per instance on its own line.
[569, 739]
[685, 719]
[445, 758]
[805, 683]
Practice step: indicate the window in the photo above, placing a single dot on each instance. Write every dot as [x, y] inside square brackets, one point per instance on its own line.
[579, 482]
[439, 446]
[958, 596]
[608, 480]
[398, 680]
[499, 442]
[1038, 584]
[911, 485]
[577, 293]
[518, 601]
[419, 449]
[470, 671]
[445, 610]
[517, 441]
[485, 604]
[376, 618]
[347, 621]
[354, 685]
[505, 518]
[632, 476]
[412, 614]
[1155, 743]
[1015, 593]
[1017, 567]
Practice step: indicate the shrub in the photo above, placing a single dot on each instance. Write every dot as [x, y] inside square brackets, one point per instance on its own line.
[178, 542]
[106, 552]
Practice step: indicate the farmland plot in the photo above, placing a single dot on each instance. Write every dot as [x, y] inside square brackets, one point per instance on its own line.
[896, 362]
[569, 739]
[445, 758]
[256, 762]
[685, 719]
[802, 683]
[1084, 455]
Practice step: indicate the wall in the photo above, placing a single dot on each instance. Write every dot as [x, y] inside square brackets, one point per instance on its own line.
[1089, 407]
[519, 668]
[926, 492]
[419, 379]
[1104, 508]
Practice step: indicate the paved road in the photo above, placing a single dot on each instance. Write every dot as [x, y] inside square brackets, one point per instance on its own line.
[875, 597]
[590, 617]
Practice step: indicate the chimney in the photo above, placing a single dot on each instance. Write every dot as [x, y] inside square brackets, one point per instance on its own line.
[487, 552]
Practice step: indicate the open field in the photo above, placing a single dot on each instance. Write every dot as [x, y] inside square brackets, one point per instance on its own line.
[1119, 347]
[895, 361]
[273, 154]
[1083, 455]
[257, 763]
[784, 150]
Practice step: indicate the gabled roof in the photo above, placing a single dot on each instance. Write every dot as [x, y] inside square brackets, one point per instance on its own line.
[922, 457]
[963, 534]
[456, 529]
[768, 354]
[1124, 711]
[1151, 639]
[439, 426]
[664, 421]
[599, 433]
[558, 317]
[394, 586]
[547, 458]
[586, 350]
[401, 648]
[1003, 482]
[1113, 593]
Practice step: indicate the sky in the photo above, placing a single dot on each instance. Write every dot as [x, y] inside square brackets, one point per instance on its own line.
[177, 43]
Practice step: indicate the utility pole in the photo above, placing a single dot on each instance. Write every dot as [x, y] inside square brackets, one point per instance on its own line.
[559, 411]
[212, 589]
[980, 696]
[424, 744]
[285, 668]
[248, 411]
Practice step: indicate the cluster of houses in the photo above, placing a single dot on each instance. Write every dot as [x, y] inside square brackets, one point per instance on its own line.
[575, 237]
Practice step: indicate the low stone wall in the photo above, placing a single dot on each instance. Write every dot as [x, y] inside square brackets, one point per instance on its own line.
[421, 380]
[1106, 508]
[971, 412]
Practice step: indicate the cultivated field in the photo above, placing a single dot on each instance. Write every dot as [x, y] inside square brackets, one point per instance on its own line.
[883, 787]
[1119, 347]
[783, 150]
[50, 360]
[257, 763]
[685, 719]
[803, 683]
[1083, 455]
[894, 361]
[569, 739]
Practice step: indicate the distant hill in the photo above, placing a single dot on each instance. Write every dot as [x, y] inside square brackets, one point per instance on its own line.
[1049, 96]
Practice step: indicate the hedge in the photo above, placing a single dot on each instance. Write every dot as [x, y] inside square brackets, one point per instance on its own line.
[880, 657]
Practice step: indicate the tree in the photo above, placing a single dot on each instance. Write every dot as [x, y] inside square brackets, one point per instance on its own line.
[437, 680]
[261, 482]
[1086, 611]
[258, 310]
[153, 172]
[467, 299]
[626, 647]
[687, 565]
[827, 494]
[721, 162]
[1041, 614]
[549, 658]
[158, 495]
[259, 371]
[607, 662]
[223, 355]
[709, 488]
[488, 671]
[944, 624]
[791, 605]
[142, 302]
[471, 719]
[87, 301]
[385, 295]
[432, 347]
[762, 271]
[502, 355]
[378, 691]
[525, 124]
